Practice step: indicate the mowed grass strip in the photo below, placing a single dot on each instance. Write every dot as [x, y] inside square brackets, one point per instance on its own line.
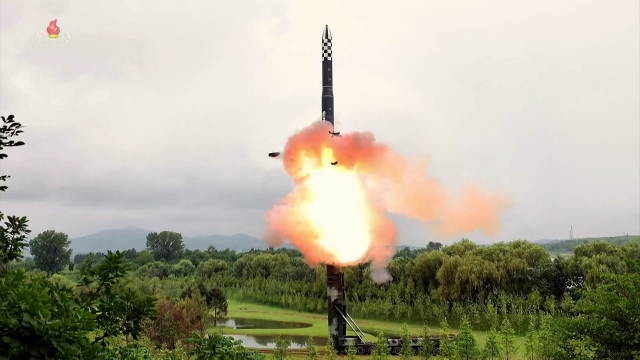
[319, 324]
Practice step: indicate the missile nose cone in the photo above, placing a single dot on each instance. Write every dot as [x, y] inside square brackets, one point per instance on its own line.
[326, 34]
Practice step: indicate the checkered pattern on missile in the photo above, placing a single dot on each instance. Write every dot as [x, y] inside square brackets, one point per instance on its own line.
[326, 49]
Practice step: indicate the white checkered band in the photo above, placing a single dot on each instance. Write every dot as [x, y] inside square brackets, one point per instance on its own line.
[326, 49]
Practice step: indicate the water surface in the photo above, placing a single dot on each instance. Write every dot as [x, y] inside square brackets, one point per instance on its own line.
[269, 341]
[242, 323]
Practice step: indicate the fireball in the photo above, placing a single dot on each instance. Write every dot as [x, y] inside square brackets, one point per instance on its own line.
[337, 214]
[337, 209]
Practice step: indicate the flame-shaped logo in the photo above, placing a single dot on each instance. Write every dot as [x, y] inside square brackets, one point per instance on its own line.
[53, 36]
[53, 30]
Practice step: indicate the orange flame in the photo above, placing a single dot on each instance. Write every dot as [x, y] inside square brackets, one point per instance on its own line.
[336, 214]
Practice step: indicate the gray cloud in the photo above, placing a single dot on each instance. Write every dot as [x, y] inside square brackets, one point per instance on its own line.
[160, 116]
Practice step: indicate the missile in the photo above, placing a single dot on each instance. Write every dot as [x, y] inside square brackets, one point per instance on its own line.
[327, 77]
[327, 86]
[327, 80]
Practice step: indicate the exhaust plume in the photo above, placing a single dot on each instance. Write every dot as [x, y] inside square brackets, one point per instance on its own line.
[336, 214]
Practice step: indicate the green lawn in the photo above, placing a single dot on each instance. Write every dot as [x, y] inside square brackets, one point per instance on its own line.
[319, 323]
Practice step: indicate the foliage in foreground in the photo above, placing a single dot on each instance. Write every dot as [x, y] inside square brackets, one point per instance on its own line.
[47, 319]
[195, 347]
[14, 231]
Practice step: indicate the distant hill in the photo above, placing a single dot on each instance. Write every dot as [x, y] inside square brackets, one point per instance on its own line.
[546, 241]
[132, 237]
[112, 239]
[410, 247]
[567, 246]
[237, 242]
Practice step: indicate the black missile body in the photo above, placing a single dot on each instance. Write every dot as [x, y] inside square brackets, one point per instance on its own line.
[327, 77]
[327, 86]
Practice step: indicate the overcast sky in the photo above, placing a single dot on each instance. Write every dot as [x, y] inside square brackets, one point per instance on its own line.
[160, 115]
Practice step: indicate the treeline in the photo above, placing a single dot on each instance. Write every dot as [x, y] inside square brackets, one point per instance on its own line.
[517, 282]
[486, 283]
[567, 246]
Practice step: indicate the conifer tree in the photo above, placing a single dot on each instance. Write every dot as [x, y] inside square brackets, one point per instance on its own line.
[351, 352]
[312, 351]
[507, 339]
[331, 350]
[544, 340]
[466, 343]
[426, 344]
[281, 351]
[381, 349]
[445, 345]
[407, 352]
[492, 345]
[530, 346]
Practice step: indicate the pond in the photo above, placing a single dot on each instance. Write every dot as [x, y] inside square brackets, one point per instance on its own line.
[269, 341]
[242, 323]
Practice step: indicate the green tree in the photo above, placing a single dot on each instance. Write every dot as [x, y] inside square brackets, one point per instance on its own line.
[583, 348]
[381, 349]
[545, 340]
[10, 128]
[214, 297]
[530, 342]
[281, 351]
[507, 338]
[567, 305]
[312, 351]
[167, 245]
[608, 317]
[144, 257]
[13, 238]
[88, 262]
[184, 268]
[330, 354]
[352, 352]
[197, 313]
[218, 305]
[466, 343]
[446, 349]
[407, 351]
[491, 314]
[116, 312]
[44, 319]
[13, 231]
[50, 250]
[426, 344]
[492, 349]
[217, 346]
[209, 268]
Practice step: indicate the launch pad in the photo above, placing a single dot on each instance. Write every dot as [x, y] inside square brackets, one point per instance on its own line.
[338, 319]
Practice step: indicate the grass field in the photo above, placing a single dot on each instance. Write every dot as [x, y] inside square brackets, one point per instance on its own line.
[319, 324]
